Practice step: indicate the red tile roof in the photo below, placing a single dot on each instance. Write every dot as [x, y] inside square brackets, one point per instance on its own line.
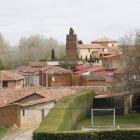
[10, 76]
[91, 46]
[104, 39]
[32, 70]
[84, 66]
[11, 96]
[112, 79]
[44, 68]
[56, 70]
[80, 72]
[22, 68]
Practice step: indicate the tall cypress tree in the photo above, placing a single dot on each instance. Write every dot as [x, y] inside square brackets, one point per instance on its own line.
[90, 58]
[53, 55]
[86, 58]
[81, 57]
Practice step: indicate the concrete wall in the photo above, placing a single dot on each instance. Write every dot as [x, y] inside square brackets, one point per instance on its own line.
[14, 84]
[10, 115]
[33, 117]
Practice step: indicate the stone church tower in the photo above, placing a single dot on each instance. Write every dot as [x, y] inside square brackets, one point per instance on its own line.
[71, 44]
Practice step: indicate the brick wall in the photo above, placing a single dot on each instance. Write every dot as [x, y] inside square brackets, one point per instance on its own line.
[10, 115]
[68, 80]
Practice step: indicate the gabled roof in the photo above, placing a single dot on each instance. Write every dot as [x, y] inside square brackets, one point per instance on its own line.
[56, 70]
[38, 64]
[44, 69]
[104, 39]
[11, 96]
[10, 76]
[91, 46]
[22, 68]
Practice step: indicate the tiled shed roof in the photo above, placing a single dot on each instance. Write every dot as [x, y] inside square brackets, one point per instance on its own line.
[10, 76]
[22, 68]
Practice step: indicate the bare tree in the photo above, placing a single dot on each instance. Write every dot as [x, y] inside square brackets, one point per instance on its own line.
[130, 73]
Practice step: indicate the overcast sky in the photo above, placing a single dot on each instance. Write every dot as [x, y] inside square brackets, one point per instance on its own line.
[90, 19]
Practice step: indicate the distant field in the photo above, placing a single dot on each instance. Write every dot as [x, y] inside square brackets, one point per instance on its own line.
[129, 119]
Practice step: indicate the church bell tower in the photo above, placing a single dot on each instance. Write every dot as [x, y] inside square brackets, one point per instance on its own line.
[71, 44]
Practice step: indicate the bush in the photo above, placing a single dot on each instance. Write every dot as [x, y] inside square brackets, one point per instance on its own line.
[101, 135]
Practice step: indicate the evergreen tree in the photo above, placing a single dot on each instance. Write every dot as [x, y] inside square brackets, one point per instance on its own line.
[90, 58]
[81, 57]
[80, 42]
[86, 58]
[53, 55]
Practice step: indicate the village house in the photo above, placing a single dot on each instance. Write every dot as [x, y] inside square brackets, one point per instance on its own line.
[11, 80]
[98, 48]
[113, 61]
[27, 108]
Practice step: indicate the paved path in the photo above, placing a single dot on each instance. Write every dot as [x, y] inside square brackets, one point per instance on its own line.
[26, 135]
[20, 134]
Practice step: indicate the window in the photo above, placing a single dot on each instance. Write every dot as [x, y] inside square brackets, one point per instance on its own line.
[23, 111]
[89, 50]
[5, 84]
[112, 45]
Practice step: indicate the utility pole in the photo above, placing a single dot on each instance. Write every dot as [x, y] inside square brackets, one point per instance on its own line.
[46, 79]
[42, 76]
[28, 80]
[1, 82]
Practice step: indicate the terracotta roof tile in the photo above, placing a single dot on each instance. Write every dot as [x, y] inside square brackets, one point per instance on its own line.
[11, 96]
[104, 39]
[57, 70]
[32, 70]
[22, 68]
[9, 76]
[91, 46]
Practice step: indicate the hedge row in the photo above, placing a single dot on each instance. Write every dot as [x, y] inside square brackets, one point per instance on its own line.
[68, 112]
[102, 135]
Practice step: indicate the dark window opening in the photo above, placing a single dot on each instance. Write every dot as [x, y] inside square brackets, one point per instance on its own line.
[88, 50]
[23, 112]
[5, 84]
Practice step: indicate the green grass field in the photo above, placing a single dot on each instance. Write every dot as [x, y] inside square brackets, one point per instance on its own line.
[132, 118]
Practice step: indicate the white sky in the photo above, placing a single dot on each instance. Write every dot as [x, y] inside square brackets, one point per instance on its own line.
[90, 19]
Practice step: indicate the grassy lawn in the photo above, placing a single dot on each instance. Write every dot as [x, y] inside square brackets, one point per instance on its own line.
[3, 130]
[132, 118]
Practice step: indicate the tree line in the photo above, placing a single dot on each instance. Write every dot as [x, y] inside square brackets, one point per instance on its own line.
[31, 49]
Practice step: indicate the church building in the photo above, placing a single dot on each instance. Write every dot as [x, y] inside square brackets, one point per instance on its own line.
[97, 48]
